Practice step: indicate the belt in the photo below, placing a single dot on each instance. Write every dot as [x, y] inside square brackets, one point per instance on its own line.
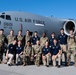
[62, 44]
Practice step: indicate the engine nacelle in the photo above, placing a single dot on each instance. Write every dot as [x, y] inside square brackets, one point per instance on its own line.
[69, 25]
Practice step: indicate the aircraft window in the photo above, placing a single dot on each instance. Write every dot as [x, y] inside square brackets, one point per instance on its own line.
[8, 17]
[2, 16]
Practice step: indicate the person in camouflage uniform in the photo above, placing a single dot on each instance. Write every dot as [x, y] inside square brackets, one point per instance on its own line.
[37, 52]
[43, 39]
[11, 37]
[28, 54]
[2, 44]
[27, 37]
[20, 36]
[71, 40]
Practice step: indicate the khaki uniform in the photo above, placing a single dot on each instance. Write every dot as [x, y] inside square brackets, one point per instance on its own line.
[27, 38]
[71, 48]
[27, 54]
[2, 38]
[37, 52]
[43, 40]
[10, 39]
[20, 38]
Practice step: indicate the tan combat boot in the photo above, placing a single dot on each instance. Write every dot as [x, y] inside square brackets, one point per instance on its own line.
[24, 64]
[37, 64]
[68, 63]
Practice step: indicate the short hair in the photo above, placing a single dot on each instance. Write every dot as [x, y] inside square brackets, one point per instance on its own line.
[71, 30]
[20, 30]
[2, 30]
[11, 30]
[47, 41]
[53, 33]
[27, 30]
[55, 39]
[62, 29]
[44, 33]
[35, 32]
[29, 41]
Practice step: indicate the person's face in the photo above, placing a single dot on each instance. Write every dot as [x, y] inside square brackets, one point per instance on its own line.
[55, 41]
[71, 32]
[11, 32]
[38, 42]
[19, 42]
[19, 33]
[46, 44]
[27, 32]
[62, 31]
[1, 32]
[43, 34]
[28, 43]
[35, 34]
[53, 35]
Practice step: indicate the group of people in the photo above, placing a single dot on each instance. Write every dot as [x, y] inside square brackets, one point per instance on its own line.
[32, 49]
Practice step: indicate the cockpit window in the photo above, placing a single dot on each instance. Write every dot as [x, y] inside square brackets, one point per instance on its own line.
[8, 17]
[2, 16]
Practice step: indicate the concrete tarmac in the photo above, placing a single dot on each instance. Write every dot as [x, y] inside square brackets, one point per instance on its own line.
[34, 70]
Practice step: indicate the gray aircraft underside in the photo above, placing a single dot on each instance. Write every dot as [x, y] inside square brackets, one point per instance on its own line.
[17, 20]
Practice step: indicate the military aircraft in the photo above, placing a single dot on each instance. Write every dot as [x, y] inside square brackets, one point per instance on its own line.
[18, 20]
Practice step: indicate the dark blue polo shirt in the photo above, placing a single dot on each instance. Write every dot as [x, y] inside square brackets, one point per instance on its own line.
[34, 39]
[55, 49]
[19, 49]
[46, 50]
[62, 39]
[12, 49]
[51, 41]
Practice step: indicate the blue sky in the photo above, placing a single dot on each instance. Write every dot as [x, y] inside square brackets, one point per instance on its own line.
[57, 8]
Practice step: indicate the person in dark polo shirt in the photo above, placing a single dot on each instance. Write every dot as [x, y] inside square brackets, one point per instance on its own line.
[19, 52]
[62, 38]
[46, 55]
[52, 38]
[11, 52]
[35, 38]
[56, 53]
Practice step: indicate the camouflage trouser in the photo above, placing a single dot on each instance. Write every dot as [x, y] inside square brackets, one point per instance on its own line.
[69, 52]
[26, 59]
[1, 57]
[37, 60]
[1, 54]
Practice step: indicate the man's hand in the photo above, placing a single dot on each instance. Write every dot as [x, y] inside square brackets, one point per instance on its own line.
[49, 54]
[35, 55]
[54, 57]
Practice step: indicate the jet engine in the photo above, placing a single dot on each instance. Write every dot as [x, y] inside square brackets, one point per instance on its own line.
[69, 25]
